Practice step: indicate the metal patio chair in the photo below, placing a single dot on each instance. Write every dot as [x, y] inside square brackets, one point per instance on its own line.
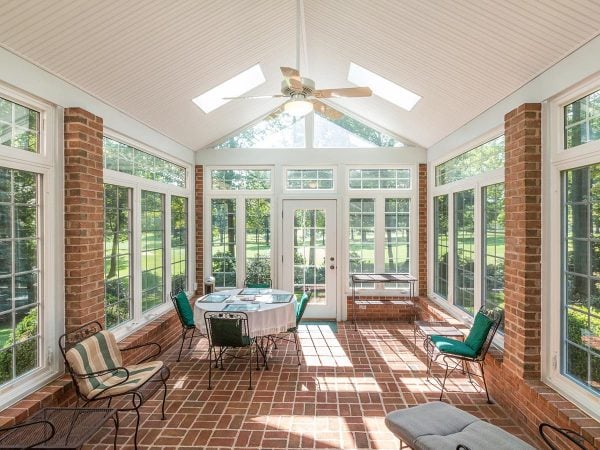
[186, 318]
[455, 353]
[300, 308]
[95, 363]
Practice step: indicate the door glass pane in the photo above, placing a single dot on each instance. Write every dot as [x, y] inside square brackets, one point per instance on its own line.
[179, 241]
[464, 245]
[258, 241]
[223, 242]
[580, 275]
[493, 247]
[153, 244]
[440, 246]
[396, 241]
[309, 253]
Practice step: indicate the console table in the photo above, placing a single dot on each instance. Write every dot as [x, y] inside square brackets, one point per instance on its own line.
[401, 278]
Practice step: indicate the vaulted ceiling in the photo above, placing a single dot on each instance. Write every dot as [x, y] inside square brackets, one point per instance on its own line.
[149, 58]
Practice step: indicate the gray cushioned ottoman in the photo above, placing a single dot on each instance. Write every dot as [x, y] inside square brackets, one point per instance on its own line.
[440, 426]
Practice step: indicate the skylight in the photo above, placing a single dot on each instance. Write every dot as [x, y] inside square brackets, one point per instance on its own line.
[238, 85]
[382, 87]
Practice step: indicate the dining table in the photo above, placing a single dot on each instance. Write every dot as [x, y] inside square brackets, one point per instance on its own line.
[270, 311]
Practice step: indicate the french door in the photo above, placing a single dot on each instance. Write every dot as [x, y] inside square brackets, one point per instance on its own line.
[309, 254]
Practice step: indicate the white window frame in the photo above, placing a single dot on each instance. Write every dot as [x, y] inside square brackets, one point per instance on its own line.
[138, 184]
[240, 196]
[555, 160]
[288, 190]
[477, 183]
[48, 164]
[379, 195]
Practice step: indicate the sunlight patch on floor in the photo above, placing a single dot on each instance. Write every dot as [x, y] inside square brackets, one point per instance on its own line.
[320, 347]
[347, 384]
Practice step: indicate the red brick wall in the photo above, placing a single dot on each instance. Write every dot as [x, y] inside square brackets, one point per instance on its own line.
[199, 181]
[381, 308]
[523, 172]
[422, 229]
[84, 218]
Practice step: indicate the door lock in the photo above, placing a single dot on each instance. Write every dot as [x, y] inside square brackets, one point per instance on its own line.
[332, 266]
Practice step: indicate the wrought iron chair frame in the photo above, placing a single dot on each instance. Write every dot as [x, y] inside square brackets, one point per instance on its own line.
[223, 350]
[433, 354]
[137, 395]
[184, 328]
[571, 435]
[26, 424]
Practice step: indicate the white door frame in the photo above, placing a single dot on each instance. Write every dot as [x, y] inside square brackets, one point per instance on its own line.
[333, 308]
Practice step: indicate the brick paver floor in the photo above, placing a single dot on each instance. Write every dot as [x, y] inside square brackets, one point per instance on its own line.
[336, 399]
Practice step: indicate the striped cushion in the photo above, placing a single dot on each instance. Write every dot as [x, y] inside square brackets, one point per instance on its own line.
[98, 352]
[138, 375]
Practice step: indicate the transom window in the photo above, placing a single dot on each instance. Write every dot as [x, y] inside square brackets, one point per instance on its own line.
[19, 126]
[240, 179]
[481, 159]
[379, 179]
[130, 160]
[582, 120]
[309, 179]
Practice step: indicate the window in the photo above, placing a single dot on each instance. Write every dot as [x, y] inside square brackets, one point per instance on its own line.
[379, 222]
[379, 178]
[117, 255]
[397, 227]
[241, 179]
[333, 129]
[440, 246]
[581, 276]
[493, 246]
[582, 120]
[309, 179]
[127, 159]
[153, 245]
[19, 126]
[223, 235]
[328, 127]
[479, 160]
[362, 236]
[277, 130]
[258, 239]
[464, 250]
[179, 243]
[20, 298]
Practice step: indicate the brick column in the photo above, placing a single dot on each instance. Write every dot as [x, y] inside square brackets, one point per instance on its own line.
[199, 192]
[84, 218]
[522, 290]
[422, 229]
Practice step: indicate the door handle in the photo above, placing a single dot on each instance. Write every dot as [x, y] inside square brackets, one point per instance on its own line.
[332, 267]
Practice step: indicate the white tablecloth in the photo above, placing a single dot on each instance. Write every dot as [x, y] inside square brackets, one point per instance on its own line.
[270, 318]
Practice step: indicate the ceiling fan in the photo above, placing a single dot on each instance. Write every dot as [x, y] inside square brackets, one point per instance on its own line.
[301, 91]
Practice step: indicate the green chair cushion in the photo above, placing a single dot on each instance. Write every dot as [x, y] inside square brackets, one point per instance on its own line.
[479, 332]
[452, 346]
[301, 306]
[183, 305]
[258, 285]
[228, 333]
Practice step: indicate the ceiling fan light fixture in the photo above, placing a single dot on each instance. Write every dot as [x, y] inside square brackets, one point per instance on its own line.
[298, 106]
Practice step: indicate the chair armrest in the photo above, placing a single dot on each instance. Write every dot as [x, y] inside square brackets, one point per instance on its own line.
[571, 435]
[29, 424]
[157, 351]
[83, 376]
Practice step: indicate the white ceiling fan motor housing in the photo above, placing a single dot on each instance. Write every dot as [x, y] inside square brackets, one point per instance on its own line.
[308, 87]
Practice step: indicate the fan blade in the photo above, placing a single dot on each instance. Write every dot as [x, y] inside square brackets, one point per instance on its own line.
[343, 92]
[292, 77]
[326, 110]
[254, 96]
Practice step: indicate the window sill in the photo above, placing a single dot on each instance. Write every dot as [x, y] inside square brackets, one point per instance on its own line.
[128, 328]
[23, 386]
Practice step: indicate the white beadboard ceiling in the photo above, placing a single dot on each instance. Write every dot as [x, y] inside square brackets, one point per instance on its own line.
[149, 58]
